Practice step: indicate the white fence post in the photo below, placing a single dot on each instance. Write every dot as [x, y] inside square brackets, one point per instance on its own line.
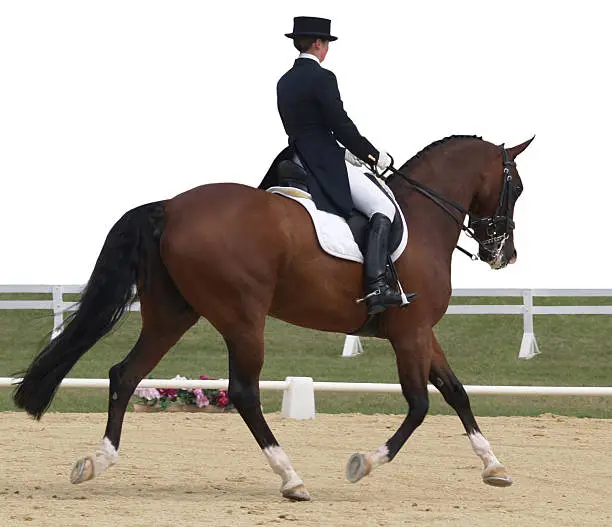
[352, 346]
[529, 345]
[58, 310]
[298, 398]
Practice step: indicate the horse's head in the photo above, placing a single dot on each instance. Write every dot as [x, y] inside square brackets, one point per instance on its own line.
[492, 209]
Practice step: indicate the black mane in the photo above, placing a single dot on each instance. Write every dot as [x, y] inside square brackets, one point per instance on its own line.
[420, 154]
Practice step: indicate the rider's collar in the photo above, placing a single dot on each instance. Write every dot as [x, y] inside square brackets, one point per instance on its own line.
[308, 56]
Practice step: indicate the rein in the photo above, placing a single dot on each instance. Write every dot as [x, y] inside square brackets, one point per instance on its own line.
[444, 204]
[490, 222]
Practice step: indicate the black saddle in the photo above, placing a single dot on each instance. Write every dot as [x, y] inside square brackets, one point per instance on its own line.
[292, 173]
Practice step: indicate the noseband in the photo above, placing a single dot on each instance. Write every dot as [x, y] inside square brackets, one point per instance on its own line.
[490, 232]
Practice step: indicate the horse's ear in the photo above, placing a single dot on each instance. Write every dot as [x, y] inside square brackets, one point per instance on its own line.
[516, 150]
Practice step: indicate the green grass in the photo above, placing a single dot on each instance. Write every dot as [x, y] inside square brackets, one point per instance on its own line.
[482, 349]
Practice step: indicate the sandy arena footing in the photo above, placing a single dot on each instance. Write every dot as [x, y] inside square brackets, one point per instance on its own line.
[189, 469]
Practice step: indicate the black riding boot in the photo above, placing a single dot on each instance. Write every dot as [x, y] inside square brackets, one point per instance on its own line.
[379, 294]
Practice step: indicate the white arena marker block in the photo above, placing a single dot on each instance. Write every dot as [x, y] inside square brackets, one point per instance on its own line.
[298, 398]
[352, 346]
[529, 347]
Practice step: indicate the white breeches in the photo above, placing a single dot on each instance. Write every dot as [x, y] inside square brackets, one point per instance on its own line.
[367, 197]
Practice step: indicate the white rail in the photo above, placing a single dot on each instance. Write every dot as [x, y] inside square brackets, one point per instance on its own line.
[529, 345]
[352, 345]
[299, 392]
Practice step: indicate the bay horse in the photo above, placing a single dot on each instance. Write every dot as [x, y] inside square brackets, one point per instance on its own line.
[234, 254]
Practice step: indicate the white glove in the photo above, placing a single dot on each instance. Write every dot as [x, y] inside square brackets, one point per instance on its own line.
[352, 159]
[384, 161]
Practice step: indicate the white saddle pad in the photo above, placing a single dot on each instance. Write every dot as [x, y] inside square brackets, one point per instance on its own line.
[333, 232]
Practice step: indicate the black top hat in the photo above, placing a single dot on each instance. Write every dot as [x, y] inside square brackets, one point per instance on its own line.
[311, 26]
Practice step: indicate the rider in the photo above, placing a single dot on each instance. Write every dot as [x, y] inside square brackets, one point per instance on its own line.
[314, 118]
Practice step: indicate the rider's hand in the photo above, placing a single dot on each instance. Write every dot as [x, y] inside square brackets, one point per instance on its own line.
[352, 159]
[384, 161]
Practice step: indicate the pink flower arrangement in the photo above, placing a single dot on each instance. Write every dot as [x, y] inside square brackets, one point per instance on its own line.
[149, 394]
[170, 393]
[201, 399]
[223, 399]
[195, 396]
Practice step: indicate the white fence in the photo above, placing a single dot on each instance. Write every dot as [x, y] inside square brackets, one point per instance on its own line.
[56, 304]
[529, 345]
[352, 346]
[299, 392]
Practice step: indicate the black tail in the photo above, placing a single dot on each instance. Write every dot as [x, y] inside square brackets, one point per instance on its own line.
[131, 246]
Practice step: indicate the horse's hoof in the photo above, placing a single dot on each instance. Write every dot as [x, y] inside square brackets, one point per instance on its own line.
[357, 467]
[497, 476]
[298, 493]
[82, 471]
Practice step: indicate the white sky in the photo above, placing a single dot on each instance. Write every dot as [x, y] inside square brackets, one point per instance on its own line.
[107, 105]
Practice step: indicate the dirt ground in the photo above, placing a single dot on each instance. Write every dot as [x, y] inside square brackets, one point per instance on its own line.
[189, 469]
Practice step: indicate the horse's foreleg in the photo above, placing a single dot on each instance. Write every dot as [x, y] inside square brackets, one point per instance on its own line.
[245, 363]
[413, 361]
[161, 330]
[443, 378]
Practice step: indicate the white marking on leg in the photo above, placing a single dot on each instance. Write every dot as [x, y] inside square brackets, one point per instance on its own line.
[105, 456]
[281, 465]
[482, 449]
[379, 457]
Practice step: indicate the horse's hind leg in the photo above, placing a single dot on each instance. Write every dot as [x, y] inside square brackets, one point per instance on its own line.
[443, 378]
[164, 320]
[246, 346]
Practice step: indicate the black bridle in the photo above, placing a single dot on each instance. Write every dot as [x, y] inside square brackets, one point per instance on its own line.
[490, 232]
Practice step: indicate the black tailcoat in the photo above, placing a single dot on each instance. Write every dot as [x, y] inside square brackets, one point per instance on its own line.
[314, 118]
